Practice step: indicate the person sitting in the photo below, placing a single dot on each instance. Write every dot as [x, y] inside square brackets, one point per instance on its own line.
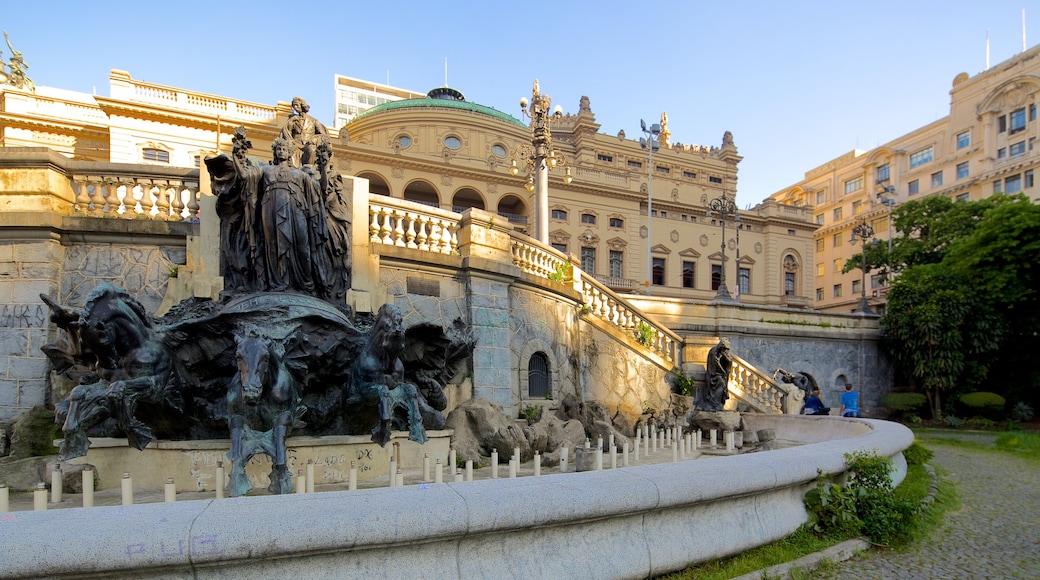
[814, 405]
[849, 402]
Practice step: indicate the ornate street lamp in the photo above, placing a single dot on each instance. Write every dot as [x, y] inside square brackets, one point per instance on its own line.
[862, 232]
[650, 144]
[540, 157]
[723, 208]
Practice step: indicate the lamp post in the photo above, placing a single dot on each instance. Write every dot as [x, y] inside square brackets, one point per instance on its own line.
[540, 156]
[723, 208]
[887, 197]
[649, 144]
[862, 232]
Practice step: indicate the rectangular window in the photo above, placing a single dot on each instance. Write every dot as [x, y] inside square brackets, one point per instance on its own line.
[856, 284]
[819, 219]
[876, 281]
[684, 217]
[1017, 148]
[617, 223]
[1013, 184]
[559, 247]
[653, 213]
[819, 269]
[1001, 124]
[819, 245]
[658, 272]
[921, 157]
[1032, 112]
[838, 265]
[1018, 121]
[635, 164]
[837, 214]
[913, 187]
[1029, 179]
[1001, 153]
[715, 179]
[744, 280]
[605, 158]
[821, 197]
[688, 275]
[962, 170]
[853, 185]
[998, 186]
[963, 197]
[882, 173]
[559, 214]
[819, 294]
[836, 240]
[963, 139]
[716, 276]
[588, 260]
[789, 283]
[689, 175]
[664, 214]
[665, 170]
[617, 264]
[157, 155]
[588, 219]
[857, 207]
[937, 179]
[836, 291]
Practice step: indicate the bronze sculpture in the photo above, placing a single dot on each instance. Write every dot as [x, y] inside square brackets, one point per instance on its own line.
[716, 390]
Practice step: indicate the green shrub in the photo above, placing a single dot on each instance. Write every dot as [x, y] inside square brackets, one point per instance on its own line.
[832, 509]
[953, 421]
[645, 334]
[1022, 412]
[683, 384]
[983, 400]
[904, 402]
[917, 454]
[980, 423]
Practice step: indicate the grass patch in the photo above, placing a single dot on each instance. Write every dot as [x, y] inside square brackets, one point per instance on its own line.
[803, 542]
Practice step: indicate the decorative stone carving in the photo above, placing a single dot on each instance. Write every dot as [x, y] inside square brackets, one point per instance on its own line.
[674, 236]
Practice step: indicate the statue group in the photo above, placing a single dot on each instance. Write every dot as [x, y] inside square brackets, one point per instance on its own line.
[279, 353]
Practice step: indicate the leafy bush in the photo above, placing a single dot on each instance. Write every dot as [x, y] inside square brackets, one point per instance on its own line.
[904, 402]
[866, 505]
[983, 400]
[953, 421]
[683, 384]
[980, 423]
[645, 334]
[1022, 412]
[917, 454]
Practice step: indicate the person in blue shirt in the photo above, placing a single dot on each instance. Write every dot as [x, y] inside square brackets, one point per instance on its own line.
[849, 402]
[814, 404]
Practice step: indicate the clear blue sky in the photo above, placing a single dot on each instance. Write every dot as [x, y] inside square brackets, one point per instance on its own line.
[798, 83]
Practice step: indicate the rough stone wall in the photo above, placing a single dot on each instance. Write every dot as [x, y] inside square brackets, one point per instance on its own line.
[27, 269]
[540, 324]
[143, 271]
[829, 362]
[618, 377]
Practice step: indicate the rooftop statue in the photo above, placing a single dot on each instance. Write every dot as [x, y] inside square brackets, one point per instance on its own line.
[305, 132]
[17, 76]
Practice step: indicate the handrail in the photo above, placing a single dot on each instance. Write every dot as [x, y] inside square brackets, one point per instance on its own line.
[407, 224]
[760, 392]
[604, 303]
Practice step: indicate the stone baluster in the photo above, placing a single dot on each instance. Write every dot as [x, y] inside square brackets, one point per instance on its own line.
[193, 200]
[399, 219]
[423, 233]
[126, 201]
[386, 231]
[176, 203]
[97, 200]
[454, 241]
[110, 197]
[81, 200]
[435, 234]
[411, 234]
[163, 200]
[373, 229]
[148, 203]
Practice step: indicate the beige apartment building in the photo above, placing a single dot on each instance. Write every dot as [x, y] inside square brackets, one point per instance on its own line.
[454, 154]
[355, 96]
[987, 144]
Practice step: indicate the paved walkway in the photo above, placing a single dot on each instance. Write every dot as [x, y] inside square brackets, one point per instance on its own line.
[994, 534]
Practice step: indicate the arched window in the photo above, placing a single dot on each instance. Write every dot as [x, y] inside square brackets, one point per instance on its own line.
[790, 275]
[539, 383]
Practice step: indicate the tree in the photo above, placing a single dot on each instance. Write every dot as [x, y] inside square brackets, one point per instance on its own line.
[967, 295]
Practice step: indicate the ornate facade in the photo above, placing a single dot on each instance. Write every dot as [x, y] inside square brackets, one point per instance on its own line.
[987, 144]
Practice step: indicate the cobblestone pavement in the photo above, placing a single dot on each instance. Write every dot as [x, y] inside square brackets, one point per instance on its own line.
[994, 534]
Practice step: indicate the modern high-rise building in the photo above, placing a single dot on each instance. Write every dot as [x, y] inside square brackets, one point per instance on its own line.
[986, 145]
[355, 95]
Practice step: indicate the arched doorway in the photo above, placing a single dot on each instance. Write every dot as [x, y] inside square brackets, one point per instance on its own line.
[539, 382]
[376, 184]
[513, 209]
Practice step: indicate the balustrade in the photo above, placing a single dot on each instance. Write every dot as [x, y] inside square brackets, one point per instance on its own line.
[413, 228]
[761, 392]
[115, 195]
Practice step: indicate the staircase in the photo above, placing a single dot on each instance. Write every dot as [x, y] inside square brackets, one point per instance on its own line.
[760, 392]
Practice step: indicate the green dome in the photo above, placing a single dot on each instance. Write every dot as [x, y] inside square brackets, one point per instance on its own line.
[440, 103]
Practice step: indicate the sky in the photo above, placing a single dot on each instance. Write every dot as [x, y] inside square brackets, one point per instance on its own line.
[798, 83]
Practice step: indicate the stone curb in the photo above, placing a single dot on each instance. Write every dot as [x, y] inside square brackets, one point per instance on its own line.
[836, 553]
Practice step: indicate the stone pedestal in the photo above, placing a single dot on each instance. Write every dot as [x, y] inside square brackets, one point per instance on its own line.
[720, 420]
[585, 458]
